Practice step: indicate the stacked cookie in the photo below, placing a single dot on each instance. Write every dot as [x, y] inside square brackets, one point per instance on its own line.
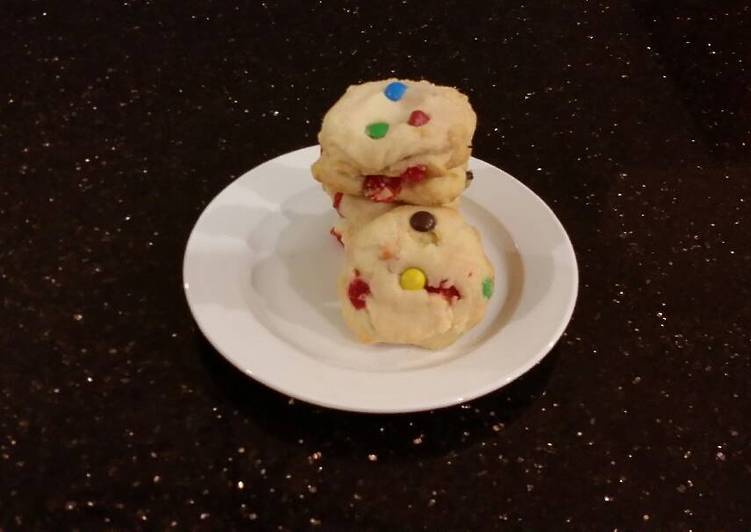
[394, 159]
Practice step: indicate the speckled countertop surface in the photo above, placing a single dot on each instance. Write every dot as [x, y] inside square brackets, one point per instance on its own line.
[119, 121]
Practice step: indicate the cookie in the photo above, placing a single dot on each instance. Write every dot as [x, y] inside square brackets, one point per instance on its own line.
[415, 275]
[400, 141]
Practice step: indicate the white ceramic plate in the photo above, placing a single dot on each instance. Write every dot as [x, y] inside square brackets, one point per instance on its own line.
[260, 271]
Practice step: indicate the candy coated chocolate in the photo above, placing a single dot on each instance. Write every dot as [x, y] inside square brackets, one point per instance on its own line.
[377, 130]
[395, 90]
[412, 279]
[418, 118]
[422, 221]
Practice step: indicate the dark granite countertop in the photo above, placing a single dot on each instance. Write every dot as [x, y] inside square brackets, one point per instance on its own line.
[119, 121]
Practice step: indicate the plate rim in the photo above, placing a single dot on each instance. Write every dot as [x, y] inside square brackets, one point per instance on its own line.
[415, 406]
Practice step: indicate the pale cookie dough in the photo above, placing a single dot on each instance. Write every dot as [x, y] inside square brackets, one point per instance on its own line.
[420, 279]
[419, 133]
[355, 212]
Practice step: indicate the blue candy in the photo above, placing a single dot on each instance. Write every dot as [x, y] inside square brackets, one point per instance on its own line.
[395, 90]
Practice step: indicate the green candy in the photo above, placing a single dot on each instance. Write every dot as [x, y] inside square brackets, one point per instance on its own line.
[487, 288]
[377, 130]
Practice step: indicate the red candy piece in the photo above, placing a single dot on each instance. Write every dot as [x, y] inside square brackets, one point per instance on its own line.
[448, 292]
[336, 234]
[414, 174]
[338, 201]
[418, 118]
[357, 291]
[381, 189]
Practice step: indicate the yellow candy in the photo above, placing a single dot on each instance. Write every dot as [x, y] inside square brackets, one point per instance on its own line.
[412, 279]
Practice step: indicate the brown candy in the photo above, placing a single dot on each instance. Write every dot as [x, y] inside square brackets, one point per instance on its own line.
[422, 221]
[470, 176]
